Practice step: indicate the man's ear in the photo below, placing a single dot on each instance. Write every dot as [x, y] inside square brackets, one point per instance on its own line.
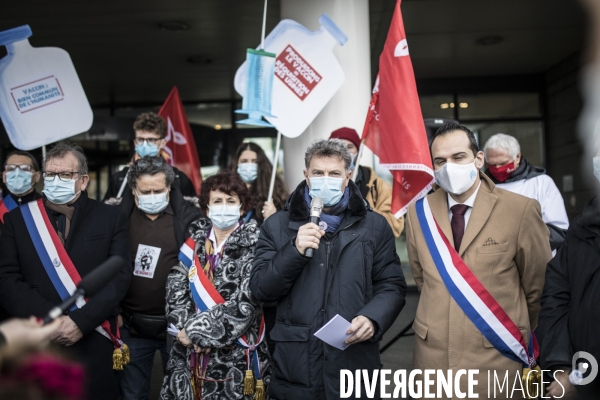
[479, 159]
[162, 144]
[36, 177]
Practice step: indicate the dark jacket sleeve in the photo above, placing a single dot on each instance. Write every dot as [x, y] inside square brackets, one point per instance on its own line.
[104, 303]
[185, 185]
[275, 270]
[113, 187]
[389, 285]
[553, 329]
[16, 296]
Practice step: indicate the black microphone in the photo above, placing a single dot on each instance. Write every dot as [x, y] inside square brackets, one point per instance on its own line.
[316, 206]
[89, 285]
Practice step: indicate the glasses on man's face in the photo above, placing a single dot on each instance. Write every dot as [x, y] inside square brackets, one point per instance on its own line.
[22, 167]
[64, 176]
[151, 141]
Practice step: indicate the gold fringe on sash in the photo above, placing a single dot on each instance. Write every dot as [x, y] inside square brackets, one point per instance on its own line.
[118, 360]
[249, 383]
[260, 390]
[532, 383]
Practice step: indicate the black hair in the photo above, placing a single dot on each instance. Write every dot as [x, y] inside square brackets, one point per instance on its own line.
[34, 162]
[150, 166]
[452, 126]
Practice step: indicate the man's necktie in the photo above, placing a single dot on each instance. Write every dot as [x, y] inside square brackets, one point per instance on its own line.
[458, 223]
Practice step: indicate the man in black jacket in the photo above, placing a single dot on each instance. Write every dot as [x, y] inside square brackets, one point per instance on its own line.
[355, 272]
[569, 318]
[150, 131]
[89, 232]
[159, 218]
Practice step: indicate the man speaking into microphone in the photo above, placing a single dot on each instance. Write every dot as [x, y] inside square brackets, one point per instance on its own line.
[353, 271]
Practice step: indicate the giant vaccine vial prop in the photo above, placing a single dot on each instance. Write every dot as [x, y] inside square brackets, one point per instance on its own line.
[41, 98]
[307, 74]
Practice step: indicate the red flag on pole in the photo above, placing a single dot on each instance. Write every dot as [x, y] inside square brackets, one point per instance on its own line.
[394, 129]
[180, 145]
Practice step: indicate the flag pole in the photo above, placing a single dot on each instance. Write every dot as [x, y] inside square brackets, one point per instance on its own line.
[274, 172]
[264, 26]
[358, 156]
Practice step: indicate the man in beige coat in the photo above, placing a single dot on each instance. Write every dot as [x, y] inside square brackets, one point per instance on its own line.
[502, 239]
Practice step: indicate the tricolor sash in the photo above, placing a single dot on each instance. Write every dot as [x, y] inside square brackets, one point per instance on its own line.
[472, 297]
[62, 272]
[6, 205]
[205, 297]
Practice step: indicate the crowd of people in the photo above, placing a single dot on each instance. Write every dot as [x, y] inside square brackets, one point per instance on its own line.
[222, 284]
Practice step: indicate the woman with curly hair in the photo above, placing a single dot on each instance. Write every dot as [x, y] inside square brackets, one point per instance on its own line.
[220, 351]
[255, 169]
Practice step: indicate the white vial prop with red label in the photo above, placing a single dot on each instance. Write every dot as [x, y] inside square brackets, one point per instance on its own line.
[307, 74]
[41, 98]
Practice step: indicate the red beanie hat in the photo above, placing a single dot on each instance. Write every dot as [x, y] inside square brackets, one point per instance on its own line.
[348, 134]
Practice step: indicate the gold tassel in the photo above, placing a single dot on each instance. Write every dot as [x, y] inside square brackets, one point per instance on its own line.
[532, 382]
[117, 360]
[260, 390]
[126, 354]
[249, 383]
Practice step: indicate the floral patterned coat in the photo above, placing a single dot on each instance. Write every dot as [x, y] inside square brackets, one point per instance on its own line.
[219, 327]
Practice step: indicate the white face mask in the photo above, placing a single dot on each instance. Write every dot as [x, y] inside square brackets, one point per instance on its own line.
[456, 178]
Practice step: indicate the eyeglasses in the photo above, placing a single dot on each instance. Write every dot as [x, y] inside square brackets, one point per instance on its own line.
[156, 162]
[22, 167]
[152, 141]
[64, 176]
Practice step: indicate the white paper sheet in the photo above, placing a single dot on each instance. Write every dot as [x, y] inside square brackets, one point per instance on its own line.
[334, 332]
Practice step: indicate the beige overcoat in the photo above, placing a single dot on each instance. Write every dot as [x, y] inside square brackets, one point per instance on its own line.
[506, 246]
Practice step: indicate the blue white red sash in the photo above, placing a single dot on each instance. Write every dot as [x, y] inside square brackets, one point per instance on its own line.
[6, 205]
[206, 296]
[56, 261]
[472, 297]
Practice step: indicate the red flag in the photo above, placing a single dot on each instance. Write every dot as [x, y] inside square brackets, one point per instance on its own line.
[180, 145]
[394, 129]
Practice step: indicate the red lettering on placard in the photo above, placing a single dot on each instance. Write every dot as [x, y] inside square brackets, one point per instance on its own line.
[296, 73]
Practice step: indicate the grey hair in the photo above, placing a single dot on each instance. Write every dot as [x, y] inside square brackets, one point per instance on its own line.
[61, 149]
[502, 141]
[150, 166]
[328, 148]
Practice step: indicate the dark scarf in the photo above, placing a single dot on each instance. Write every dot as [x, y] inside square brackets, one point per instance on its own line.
[333, 218]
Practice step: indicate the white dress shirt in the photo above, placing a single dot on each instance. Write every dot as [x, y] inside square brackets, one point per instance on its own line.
[213, 239]
[469, 202]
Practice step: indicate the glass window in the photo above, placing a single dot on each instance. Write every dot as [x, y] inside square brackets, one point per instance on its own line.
[437, 106]
[215, 115]
[529, 135]
[498, 105]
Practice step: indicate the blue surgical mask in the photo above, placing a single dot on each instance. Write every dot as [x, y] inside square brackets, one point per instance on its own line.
[327, 188]
[152, 203]
[248, 172]
[224, 217]
[59, 192]
[597, 167]
[17, 181]
[146, 149]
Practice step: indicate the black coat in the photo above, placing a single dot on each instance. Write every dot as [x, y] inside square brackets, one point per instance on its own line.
[97, 232]
[569, 320]
[116, 180]
[355, 272]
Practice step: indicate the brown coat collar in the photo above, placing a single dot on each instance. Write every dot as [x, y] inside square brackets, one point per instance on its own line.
[484, 203]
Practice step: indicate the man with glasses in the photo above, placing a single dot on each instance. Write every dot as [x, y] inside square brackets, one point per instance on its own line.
[21, 173]
[159, 219]
[150, 131]
[48, 244]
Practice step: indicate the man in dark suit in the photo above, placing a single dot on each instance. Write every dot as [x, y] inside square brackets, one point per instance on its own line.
[150, 131]
[90, 232]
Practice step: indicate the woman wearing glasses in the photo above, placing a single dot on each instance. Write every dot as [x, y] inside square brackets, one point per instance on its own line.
[21, 173]
[220, 352]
